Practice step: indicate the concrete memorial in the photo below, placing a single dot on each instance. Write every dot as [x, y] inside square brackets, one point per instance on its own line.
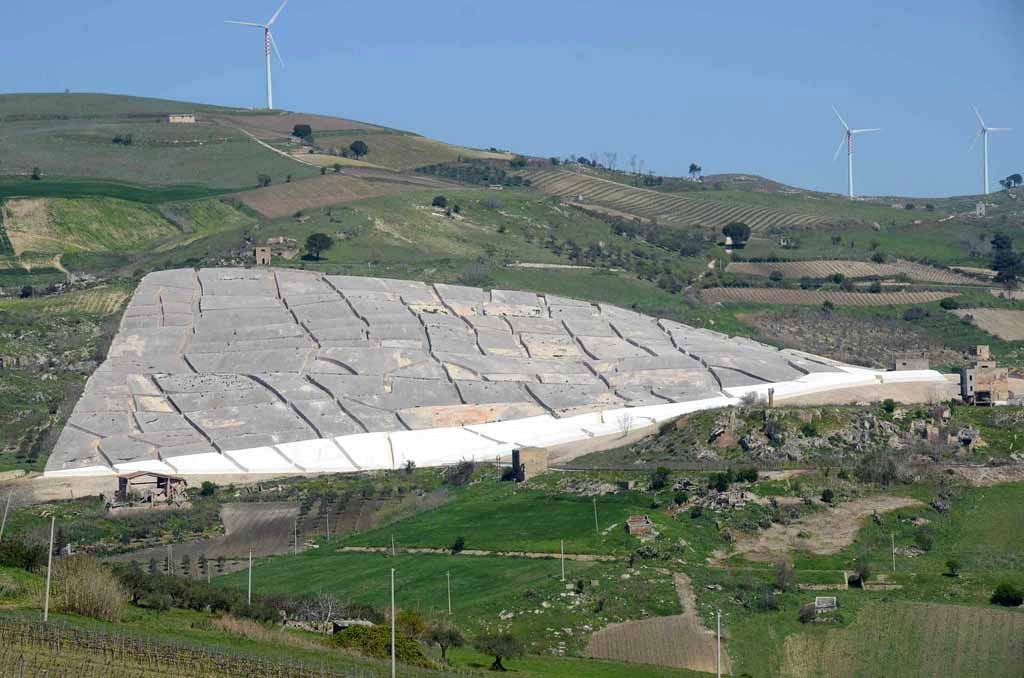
[231, 371]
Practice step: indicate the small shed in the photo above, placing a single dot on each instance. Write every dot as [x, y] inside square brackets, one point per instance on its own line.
[640, 526]
[529, 462]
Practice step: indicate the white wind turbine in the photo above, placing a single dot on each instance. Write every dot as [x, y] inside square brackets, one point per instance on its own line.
[983, 135]
[848, 140]
[268, 39]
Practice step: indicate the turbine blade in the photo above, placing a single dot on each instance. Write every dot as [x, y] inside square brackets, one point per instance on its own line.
[998, 129]
[978, 115]
[862, 131]
[244, 23]
[840, 118]
[839, 148]
[278, 12]
[276, 50]
[974, 142]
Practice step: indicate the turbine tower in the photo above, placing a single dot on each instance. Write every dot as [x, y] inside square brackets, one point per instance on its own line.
[848, 140]
[983, 135]
[268, 40]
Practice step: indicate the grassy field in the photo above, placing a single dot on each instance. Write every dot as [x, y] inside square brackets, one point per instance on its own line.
[78, 187]
[487, 592]
[89, 105]
[83, 224]
[923, 639]
[401, 151]
[161, 154]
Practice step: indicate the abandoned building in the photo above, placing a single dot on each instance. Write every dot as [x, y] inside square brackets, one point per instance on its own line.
[182, 118]
[640, 526]
[149, 487]
[909, 361]
[262, 254]
[825, 604]
[984, 383]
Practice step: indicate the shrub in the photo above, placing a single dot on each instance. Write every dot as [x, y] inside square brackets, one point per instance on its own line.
[807, 613]
[924, 538]
[476, 274]
[681, 498]
[500, 646]
[359, 148]
[459, 545]
[785, 576]
[263, 180]
[208, 489]
[302, 131]
[889, 405]
[83, 585]
[411, 623]
[375, 641]
[827, 495]
[1007, 595]
[747, 475]
[16, 553]
[696, 512]
[776, 276]
[915, 313]
[439, 201]
[883, 467]
[878, 258]
[949, 304]
[659, 478]
[953, 567]
[459, 474]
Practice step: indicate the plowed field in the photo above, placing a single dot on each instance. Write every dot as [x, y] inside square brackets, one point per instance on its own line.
[853, 269]
[769, 295]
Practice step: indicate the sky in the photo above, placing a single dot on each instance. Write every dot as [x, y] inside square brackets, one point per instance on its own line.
[736, 87]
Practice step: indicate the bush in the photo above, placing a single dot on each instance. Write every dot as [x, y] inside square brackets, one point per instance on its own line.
[696, 512]
[208, 489]
[828, 496]
[659, 479]
[439, 201]
[459, 474]
[776, 276]
[16, 553]
[302, 131]
[949, 304]
[878, 258]
[440, 632]
[785, 576]
[375, 641]
[1007, 595]
[476, 274]
[359, 148]
[889, 405]
[747, 475]
[459, 545]
[915, 313]
[681, 498]
[807, 614]
[83, 585]
[953, 567]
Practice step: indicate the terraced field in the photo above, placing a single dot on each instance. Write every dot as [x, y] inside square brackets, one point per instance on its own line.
[672, 209]
[771, 295]
[853, 269]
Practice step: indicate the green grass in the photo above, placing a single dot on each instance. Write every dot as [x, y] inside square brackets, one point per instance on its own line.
[493, 515]
[198, 218]
[570, 667]
[90, 105]
[209, 155]
[79, 187]
[397, 150]
[37, 277]
[483, 588]
[104, 224]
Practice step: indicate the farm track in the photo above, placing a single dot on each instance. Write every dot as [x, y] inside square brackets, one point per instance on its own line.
[678, 641]
[771, 295]
[663, 207]
[853, 269]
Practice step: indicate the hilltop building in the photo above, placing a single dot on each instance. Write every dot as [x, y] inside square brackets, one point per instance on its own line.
[182, 118]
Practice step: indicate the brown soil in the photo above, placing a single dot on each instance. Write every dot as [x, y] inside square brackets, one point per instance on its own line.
[858, 340]
[1000, 322]
[679, 641]
[831, 529]
[772, 295]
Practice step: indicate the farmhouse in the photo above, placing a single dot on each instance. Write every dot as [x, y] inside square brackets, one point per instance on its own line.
[262, 254]
[150, 487]
[181, 118]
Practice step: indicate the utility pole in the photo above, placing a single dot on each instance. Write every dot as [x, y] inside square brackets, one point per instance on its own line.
[596, 528]
[328, 516]
[3, 523]
[562, 550]
[893, 535]
[295, 536]
[718, 644]
[49, 568]
[392, 544]
[250, 577]
[392, 622]
[449, 575]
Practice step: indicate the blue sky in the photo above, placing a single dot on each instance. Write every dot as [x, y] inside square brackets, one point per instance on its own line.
[738, 87]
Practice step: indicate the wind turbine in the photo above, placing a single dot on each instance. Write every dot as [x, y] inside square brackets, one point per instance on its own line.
[268, 39]
[848, 140]
[983, 135]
